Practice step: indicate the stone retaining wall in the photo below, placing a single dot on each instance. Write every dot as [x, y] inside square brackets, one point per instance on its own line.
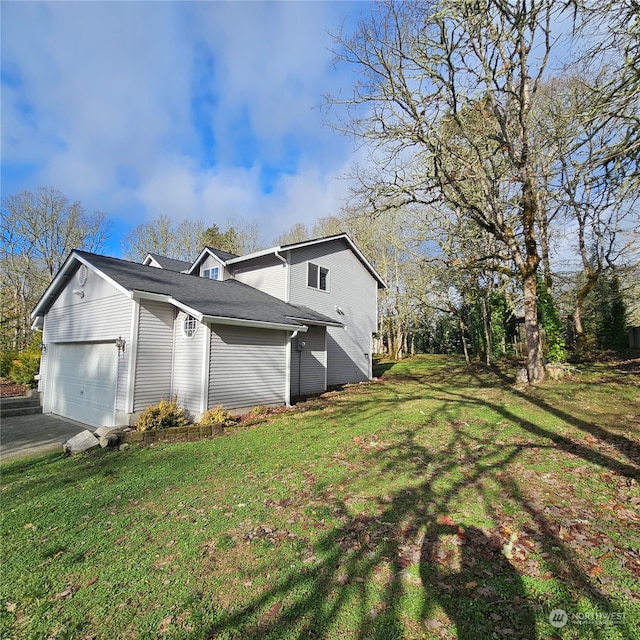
[173, 434]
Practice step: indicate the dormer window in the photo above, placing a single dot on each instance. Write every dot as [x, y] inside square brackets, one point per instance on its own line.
[318, 277]
[211, 274]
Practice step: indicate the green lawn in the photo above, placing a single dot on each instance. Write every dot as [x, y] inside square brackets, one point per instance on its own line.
[440, 502]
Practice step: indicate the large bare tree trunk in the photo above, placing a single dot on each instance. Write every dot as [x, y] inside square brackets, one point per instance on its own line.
[535, 365]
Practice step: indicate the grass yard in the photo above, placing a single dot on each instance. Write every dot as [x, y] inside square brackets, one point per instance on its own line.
[440, 502]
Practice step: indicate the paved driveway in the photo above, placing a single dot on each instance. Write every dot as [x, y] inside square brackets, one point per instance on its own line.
[22, 436]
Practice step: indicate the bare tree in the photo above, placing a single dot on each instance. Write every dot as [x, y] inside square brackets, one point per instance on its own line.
[39, 230]
[595, 199]
[444, 103]
[182, 241]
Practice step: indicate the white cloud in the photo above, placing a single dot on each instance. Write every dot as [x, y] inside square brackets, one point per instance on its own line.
[100, 105]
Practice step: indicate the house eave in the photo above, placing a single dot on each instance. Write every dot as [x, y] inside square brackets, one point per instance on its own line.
[319, 323]
[256, 324]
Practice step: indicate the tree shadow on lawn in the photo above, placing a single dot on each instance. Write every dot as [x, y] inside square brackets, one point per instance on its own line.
[629, 448]
[410, 554]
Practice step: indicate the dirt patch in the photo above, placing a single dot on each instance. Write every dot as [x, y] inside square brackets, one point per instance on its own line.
[9, 389]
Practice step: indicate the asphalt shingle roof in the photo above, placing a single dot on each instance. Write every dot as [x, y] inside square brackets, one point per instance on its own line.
[223, 255]
[171, 263]
[221, 298]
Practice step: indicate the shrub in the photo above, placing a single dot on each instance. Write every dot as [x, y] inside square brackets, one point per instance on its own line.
[260, 411]
[163, 415]
[7, 356]
[217, 417]
[25, 365]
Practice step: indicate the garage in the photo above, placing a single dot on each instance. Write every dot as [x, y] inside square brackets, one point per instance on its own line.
[83, 382]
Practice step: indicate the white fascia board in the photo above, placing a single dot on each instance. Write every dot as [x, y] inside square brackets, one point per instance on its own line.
[137, 294]
[352, 246]
[256, 254]
[183, 307]
[318, 323]
[198, 260]
[257, 324]
[163, 297]
[63, 275]
[111, 281]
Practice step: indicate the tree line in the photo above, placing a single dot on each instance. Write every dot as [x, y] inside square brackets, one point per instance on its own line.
[498, 198]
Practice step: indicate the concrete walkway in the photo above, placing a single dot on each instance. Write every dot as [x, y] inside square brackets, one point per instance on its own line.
[33, 435]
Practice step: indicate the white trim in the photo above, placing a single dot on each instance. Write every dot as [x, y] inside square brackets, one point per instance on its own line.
[258, 324]
[64, 275]
[287, 275]
[319, 323]
[137, 294]
[255, 254]
[198, 260]
[183, 307]
[111, 281]
[307, 243]
[287, 392]
[206, 359]
[326, 360]
[133, 356]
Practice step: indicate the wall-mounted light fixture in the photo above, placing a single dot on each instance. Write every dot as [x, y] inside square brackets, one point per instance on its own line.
[121, 344]
[43, 347]
[79, 293]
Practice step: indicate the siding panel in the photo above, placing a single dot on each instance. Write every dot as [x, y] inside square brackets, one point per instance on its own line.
[351, 288]
[313, 359]
[248, 367]
[266, 276]
[187, 365]
[154, 355]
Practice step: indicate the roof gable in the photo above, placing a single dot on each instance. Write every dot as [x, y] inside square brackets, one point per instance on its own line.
[299, 245]
[163, 262]
[221, 256]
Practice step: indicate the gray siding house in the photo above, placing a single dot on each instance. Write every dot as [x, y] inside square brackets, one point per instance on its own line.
[239, 331]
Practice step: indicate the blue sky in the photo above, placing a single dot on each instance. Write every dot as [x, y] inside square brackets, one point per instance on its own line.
[196, 110]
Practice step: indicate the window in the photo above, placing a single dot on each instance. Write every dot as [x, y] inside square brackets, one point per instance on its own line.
[189, 326]
[211, 274]
[318, 277]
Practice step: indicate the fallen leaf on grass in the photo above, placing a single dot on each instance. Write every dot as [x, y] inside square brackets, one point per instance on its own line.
[164, 624]
[92, 581]
[432, 624]
[10, 606]
[273, 611]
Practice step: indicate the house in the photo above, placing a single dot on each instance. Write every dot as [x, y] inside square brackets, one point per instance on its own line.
[239, 331]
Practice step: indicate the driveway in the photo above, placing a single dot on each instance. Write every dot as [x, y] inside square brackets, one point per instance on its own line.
[22, 436]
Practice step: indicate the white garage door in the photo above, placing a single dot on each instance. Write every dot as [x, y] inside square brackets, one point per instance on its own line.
[84, 382]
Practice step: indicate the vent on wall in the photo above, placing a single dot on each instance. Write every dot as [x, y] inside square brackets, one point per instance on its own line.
[83, 272]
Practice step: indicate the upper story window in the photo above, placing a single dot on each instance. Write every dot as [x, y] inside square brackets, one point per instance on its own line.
[211, 274]
[318, 277]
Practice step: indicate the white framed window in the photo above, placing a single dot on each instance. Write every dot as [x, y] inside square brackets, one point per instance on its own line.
[211, 274]
[189, 326]
[317, 277]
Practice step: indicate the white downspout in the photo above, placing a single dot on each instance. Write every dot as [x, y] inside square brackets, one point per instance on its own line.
[288, 376]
